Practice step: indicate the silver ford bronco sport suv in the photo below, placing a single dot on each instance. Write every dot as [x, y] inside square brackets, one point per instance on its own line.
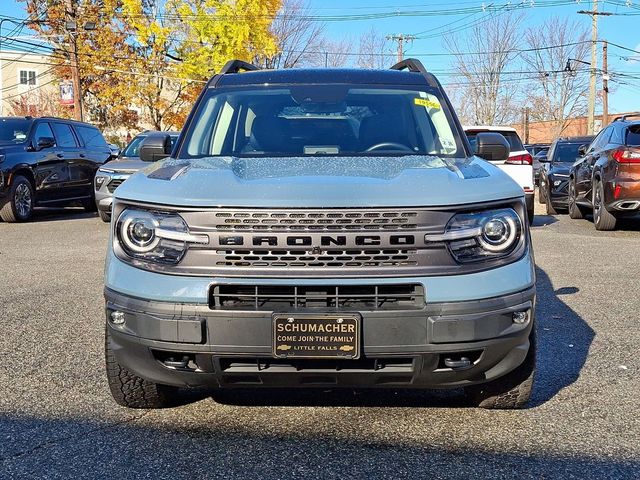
[321, 228]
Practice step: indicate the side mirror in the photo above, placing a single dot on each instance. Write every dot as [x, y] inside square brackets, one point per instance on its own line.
[582, 150]
[115, 150]
[45, 142]
[543, 159]
[492, 146]
[155, 147]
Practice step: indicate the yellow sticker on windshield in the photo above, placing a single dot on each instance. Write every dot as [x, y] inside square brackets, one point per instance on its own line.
[424, 102]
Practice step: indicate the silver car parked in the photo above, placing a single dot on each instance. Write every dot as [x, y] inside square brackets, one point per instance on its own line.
[111, 175]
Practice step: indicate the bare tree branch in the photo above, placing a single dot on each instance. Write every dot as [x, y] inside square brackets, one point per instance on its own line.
[300, 39]
[557, 95]
[488, 95]
[374, 51]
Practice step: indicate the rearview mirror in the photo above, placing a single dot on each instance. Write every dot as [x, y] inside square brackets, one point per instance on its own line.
[492, 146]
[155, 147]
[45, 142]
[582, 150]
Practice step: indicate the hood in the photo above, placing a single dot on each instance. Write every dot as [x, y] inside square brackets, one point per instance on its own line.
[319, 182]
[561, 168]
[125, 165]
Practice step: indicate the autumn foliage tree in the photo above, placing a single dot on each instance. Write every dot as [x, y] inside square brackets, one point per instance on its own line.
[219, 30]
[153, 55]
[100, 52]
[163, 96]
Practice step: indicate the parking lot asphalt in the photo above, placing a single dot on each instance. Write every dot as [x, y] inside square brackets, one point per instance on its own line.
[57, 418]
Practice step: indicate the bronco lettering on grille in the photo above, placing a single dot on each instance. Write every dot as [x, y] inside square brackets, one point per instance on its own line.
[308, 240]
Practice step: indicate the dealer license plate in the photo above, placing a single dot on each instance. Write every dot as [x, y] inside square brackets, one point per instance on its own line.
[316, 336]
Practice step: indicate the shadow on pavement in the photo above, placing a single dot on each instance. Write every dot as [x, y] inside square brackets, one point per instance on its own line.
[56, 214]
[543, 220]
[400, 398]
[564, 339]
[274, 446]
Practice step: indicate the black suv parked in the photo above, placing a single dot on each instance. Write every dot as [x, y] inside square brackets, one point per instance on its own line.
[554, 175]
[47, 162]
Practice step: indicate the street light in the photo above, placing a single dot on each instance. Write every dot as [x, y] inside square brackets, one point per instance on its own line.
[568, 68]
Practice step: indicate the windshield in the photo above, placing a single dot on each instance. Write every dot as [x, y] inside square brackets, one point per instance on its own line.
[566, 152]
[133, 149]
[14, 130]
[320, 120]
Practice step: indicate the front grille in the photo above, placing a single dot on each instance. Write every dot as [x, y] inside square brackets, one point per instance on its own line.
[305, 258]
[257, 364]
[339, 297]
[113, 184]
[315, 220]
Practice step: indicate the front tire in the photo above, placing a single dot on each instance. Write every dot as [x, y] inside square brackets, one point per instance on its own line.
[510, 391]
[602, 218]
[89, 204]
[104, 216]
[575, 210]
[19, 206]
[541, 187]
[132, 391]
[551, 210]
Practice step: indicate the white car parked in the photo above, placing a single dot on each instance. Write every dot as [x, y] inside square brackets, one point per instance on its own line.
[518, 166]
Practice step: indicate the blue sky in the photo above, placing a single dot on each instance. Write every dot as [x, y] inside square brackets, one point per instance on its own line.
[620, 29]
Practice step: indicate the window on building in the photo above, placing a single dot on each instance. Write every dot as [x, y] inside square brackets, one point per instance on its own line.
[27, 77]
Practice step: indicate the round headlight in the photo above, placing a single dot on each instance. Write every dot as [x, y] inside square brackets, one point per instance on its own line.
[499, 232]
[495, 231]
[139, 232]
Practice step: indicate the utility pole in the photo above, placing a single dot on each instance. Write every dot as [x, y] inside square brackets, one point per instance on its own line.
[605, 86]
[594, 64]
[72, 27]
[401, 38]
[525, 124]
[592, 68]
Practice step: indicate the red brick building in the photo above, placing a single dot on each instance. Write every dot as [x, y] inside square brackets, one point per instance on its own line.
[543, 132]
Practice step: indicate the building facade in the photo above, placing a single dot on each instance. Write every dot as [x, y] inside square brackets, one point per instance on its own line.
[27, 85]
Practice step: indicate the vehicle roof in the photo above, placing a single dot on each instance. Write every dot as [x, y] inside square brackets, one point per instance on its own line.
[580, 139]
[623, 118]
[152, 132]
[59, 119]
[491, 128]
[322, 75]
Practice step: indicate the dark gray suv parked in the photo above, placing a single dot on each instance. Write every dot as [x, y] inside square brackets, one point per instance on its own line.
[47, 162]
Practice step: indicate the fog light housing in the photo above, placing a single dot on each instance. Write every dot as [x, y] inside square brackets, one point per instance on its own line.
[520, 318]
[117, 318]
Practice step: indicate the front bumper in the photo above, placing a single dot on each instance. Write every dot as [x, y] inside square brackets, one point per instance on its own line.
[559, 191]
[399, 348]
[104, 193]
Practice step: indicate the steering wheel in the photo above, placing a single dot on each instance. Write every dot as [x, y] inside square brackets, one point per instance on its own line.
[386, 145]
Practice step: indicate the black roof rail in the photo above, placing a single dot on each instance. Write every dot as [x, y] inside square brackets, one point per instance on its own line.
[235, 66]
[623, 118]
[414, 65]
